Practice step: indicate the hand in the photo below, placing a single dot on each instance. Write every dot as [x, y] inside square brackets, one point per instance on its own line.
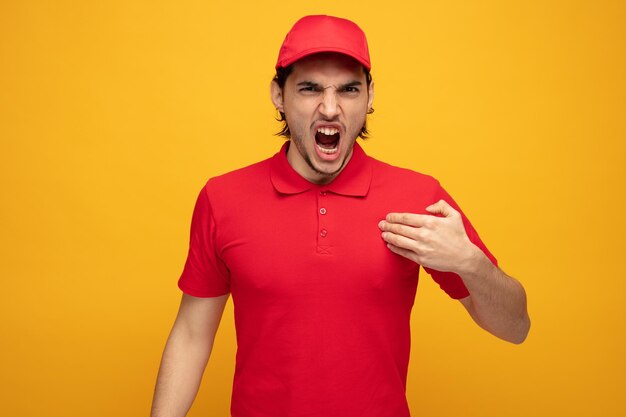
[440, 243]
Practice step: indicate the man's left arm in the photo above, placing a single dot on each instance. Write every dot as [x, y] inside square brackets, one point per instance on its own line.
[497, 302]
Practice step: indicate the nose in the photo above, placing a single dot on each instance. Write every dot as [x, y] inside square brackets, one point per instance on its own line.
[329, 107]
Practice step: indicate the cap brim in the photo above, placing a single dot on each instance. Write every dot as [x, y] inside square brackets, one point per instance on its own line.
[313, 51]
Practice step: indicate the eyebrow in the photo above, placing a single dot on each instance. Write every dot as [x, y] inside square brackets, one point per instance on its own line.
[307, 84]
[340, 87]
[351, 84]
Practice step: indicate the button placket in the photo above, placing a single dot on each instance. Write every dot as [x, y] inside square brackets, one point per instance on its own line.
[324, 234]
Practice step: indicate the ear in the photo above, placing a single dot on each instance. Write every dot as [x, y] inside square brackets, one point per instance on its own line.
[276, 94]
[370, 98]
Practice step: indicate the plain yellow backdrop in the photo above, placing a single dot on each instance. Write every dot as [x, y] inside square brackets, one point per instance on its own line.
[114, 113]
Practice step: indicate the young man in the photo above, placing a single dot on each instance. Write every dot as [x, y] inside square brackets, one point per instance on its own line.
[320, 247]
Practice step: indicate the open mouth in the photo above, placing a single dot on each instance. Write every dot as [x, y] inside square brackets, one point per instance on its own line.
[327, 140]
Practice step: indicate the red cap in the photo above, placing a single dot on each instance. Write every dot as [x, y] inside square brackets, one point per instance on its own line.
[314, 34]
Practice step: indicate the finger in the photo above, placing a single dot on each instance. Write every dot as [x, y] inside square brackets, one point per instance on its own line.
[400, 241]
[410, 219]
[442, 207]
[399, 229]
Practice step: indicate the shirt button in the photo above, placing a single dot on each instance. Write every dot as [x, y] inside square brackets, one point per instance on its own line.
[322, 193]
[323, 233]
[322, 210]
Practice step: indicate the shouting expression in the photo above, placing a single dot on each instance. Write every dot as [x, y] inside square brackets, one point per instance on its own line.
[325, 101]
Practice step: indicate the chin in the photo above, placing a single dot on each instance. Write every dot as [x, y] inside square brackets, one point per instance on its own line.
[330, 171]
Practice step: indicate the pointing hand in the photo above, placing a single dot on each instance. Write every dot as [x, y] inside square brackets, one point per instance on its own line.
[440, 243]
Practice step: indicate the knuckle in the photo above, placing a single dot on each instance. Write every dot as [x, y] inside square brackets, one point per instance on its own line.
[395, 228]
[391, 238]
[428, 221]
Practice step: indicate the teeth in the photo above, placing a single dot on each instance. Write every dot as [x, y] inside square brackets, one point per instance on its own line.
[328, 130]
[327, 151]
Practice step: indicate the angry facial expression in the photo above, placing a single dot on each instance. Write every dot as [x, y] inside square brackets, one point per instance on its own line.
[325, 100]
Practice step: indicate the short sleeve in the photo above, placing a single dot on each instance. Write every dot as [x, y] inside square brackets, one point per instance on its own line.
[205, 274]
[450, 282]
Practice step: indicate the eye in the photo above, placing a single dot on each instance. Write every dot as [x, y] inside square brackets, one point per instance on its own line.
[350, 90]
[309, 89]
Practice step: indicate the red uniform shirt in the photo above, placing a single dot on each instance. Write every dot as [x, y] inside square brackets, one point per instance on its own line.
[322, 306]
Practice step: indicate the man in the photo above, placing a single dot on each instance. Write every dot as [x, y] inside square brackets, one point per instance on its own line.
[320, 247]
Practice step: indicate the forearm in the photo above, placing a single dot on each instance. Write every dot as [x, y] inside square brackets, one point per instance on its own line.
[497, 301]
[183, 363]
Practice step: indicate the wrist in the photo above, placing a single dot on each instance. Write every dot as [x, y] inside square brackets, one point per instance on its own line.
[475, 263]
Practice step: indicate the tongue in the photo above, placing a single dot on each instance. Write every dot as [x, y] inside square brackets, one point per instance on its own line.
[326, 141]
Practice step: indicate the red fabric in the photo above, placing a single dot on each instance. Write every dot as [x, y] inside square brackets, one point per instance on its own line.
[321, 33]
[322, 307]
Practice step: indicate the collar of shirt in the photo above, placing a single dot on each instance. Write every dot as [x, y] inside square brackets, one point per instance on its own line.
[354, 180]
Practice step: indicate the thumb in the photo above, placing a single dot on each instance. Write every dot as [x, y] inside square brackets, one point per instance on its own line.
[441, 207]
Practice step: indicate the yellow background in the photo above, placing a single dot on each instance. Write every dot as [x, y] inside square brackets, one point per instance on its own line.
[114, 113]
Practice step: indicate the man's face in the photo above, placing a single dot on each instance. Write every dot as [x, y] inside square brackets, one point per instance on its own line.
[325, 101]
